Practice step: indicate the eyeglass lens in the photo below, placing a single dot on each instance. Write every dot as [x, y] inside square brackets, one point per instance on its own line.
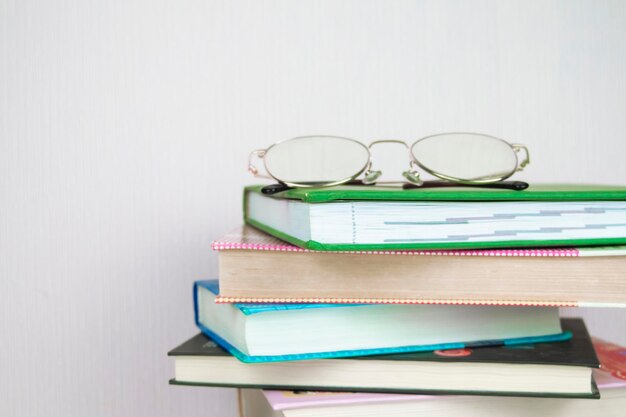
[316, 160]
[465, 156]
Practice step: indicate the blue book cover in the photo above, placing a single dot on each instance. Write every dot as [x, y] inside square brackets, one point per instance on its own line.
[254, 308]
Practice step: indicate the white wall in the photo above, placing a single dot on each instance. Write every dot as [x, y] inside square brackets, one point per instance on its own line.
[125, 127]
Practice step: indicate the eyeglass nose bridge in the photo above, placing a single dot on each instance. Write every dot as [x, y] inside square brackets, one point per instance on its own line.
[412, 175]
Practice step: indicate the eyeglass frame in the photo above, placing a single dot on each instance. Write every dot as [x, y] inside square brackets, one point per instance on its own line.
[367, 168]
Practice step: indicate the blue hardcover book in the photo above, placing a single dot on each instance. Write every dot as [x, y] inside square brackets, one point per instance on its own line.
[282, 332]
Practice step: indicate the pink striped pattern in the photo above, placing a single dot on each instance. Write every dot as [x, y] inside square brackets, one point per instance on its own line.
[315, 300]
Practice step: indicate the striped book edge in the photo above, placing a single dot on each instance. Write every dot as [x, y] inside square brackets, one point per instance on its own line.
[313, 300]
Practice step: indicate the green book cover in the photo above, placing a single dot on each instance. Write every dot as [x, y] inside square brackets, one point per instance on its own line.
[535, 192]
[547, 193]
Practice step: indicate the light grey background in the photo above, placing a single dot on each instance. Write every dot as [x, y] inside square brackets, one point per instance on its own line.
[125, 127]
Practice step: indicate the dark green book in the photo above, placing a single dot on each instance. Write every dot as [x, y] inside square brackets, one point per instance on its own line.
[348, 218]
[562, 369]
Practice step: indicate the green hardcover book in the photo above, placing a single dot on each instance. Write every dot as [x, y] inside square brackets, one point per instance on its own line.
[560, 369]
[348, 218]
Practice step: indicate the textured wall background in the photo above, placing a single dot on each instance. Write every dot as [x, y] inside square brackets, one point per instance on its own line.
[125, 127]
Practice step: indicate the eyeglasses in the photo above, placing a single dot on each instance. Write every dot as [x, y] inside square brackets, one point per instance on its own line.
[324, 161]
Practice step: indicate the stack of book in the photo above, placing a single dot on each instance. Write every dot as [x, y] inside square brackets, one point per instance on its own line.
[391, 293]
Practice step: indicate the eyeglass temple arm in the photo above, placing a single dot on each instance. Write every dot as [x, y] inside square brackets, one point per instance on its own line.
[522, 164]
[506, 185]
[259, 153]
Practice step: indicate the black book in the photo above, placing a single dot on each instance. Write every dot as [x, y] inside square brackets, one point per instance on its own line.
[559, 369]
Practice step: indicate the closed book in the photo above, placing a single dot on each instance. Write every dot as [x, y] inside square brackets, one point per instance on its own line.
[257, 267]
[376, 217]
[610, 378]
[562, 369]
[284, 332]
